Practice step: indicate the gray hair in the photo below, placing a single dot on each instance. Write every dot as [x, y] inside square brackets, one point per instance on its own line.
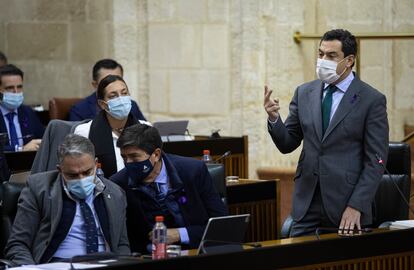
[75, 145]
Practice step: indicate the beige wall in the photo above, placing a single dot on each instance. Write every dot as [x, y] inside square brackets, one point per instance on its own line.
[206, 60]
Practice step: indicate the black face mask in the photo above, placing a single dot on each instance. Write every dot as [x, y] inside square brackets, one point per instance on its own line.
[138, 171]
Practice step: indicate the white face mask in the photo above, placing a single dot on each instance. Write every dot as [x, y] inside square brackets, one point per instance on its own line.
[326, 70]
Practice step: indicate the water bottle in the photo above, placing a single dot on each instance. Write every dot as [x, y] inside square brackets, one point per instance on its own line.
[159, 239]
[206, 156]
[99, 171]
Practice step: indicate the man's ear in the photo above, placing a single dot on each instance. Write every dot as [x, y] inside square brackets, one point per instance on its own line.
[59, 168]
[157, 154]
[350, 61]
[94, 84]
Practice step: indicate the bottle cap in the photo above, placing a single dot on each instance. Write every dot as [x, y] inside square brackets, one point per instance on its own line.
[159, 219]
[206, 152]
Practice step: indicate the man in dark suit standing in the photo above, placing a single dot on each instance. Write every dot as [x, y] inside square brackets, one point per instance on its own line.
[88, 108]
[156, 183]
[343, 124]
[68, 212]
[19, 121]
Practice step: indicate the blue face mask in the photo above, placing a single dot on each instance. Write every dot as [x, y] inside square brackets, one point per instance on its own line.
[138, 171]
[12, 101]
[119, 107]
[81, 188]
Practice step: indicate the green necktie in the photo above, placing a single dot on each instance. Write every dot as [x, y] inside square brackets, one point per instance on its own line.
[326, 107]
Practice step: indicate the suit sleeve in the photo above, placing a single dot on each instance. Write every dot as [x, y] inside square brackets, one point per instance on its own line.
[74, 114]
[38, 127]
[212, 203]
[287, 136]
[123, 245]
[24, 229]
[375, 142]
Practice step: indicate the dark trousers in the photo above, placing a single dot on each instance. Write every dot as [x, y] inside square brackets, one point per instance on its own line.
[314, 218]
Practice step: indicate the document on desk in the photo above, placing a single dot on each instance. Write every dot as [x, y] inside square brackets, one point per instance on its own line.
[402, 224]
[59, 266]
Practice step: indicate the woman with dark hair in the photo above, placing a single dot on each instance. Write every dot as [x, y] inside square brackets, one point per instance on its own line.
[104, 130]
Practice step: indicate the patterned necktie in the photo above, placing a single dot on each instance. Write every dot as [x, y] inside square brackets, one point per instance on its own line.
[326, 107]
[12, 130]
[90, 227]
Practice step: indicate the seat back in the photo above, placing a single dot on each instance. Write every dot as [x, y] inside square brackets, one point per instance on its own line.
[9, 193]
[217, 173]
[59, 107]
[46, 157]
[389, 205]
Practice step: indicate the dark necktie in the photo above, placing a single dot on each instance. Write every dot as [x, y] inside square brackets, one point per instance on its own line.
[326, 107]
[160, 196]
[90, 227]
[12, 130]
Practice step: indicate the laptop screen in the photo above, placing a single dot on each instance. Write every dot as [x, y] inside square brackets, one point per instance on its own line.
[227, 231]
[172, 130]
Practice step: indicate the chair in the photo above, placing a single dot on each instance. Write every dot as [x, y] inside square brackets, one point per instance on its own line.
[59, 107]
[9, 193]
[46, 157]
[388, 203]
[216, 171]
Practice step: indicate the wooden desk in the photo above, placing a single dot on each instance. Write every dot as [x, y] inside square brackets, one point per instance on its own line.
[381, 250]
[260, 199]
[20, 161]
[235, 164]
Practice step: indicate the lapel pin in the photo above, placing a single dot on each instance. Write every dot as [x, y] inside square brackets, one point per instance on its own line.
[354, 98]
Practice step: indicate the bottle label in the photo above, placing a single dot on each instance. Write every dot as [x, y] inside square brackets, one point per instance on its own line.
[159, 251]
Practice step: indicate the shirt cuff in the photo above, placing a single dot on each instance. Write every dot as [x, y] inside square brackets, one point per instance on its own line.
[272, 123]
[184, 236]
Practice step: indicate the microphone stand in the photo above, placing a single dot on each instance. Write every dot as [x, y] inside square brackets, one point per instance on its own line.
[381, 162]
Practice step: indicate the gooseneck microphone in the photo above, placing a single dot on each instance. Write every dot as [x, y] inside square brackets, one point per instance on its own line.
[226, 154]
[381, 162]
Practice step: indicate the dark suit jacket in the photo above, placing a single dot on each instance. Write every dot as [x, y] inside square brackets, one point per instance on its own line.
[88, 109]
[343, 160]
[38, 215]
[202, 200]
[30, 125]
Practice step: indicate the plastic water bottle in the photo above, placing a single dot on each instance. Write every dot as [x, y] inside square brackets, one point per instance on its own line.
[99, 171]
[159, 239]
[206, 156]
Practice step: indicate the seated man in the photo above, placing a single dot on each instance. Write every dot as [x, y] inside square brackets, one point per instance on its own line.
[156, 183]
[68, 212]
[20, 122]
[88, 108]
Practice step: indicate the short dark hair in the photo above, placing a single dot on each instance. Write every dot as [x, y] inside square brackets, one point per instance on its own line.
[10, 70]
[144, 137]
[100, 92]
[349, 44]
[106, 64]
[75, 145]
[3, 57]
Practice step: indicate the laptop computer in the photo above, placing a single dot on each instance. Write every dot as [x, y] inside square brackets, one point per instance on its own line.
[224, 234]
[172, 130]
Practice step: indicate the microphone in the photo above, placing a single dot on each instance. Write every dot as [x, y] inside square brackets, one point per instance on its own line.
[381, 162]
[226, 154]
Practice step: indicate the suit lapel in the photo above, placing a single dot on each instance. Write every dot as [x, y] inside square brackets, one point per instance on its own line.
[315, 96]
[113, 222]
[56, 204]
[348, 102]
